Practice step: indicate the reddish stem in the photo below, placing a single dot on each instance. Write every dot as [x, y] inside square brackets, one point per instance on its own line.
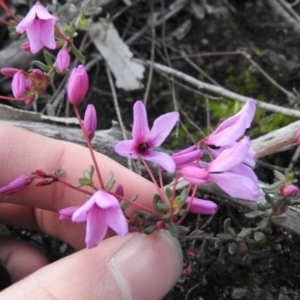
[90, 147]
[4, 22]
[74, 187]
[12, 99]
[7, 9]
[61, 35]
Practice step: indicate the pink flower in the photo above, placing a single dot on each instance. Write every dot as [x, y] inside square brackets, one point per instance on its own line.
[289, 190]
[25, 46]
[228, 172]
[78, 85]
[90, 121]
[187, 156]
[145, 140]
[9, 72]
[101, 211]
[63, 60]
[200, 206]
[39, 25]
[232, 128]
[18, 84]
[17, 184]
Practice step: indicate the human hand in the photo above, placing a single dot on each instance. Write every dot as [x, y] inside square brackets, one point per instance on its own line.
[134, 267]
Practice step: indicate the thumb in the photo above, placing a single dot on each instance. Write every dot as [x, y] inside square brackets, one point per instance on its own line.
[137, 266]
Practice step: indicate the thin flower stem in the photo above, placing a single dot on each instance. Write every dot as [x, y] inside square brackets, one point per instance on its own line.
[192, 198]
[61, 35]
[7, 9]
[90, 147]
[4, 22]
[73, 187]
[173, 195]
[159, 190]
[135, 203]
[12, 99]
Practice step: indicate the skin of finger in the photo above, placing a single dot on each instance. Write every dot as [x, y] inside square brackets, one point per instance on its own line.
[20, 258]
[24, 152]
[90, 274]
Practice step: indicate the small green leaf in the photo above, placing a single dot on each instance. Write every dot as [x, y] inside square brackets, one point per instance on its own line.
[86, 174]
[134, 197]
[166, 217]
[93, 11]
[196, 232]
[245, 232]
[173, 229]
[72, 30]
[48, 58]
[41, 65]
[224, 237]
[153, 218]
[125, 204]
[259, 236]
[168, 193]
[84, 181]
[265, 206]
[163, 207]
[231, 231]
[218, 244]
[232, 248]
[279, 219]
[149, 229]
[182, 231]
[226, 225]
[263, 224]
[183, 195]
[278, 175]
[221, 258]
[254, 214]
[272, 187]
[78, 54]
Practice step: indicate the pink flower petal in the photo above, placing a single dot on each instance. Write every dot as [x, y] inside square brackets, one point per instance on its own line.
[162, 159]
[66, 213]
[236, 185]
[105, 200]
[195, 175]
[200, 206]
[140, 128]
[27, 21]
[115, 220]
[34, 32]
[230, 157]
[96, 227]
[127, 149]
[246, 171]
[47, 37]
[80, 215]
[162, 127]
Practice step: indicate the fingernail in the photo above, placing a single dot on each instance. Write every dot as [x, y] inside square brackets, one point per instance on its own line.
[147, 266]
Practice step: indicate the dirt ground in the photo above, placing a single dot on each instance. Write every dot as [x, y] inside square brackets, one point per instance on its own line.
[208, 40]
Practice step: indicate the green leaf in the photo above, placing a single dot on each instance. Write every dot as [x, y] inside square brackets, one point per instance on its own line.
[259, 236]
[168, 193]
[221, 258]
[110, 182]
[263, 224]
[232, 248]
[183, 195]
[149, 229]
[224, 237]
[218, 244]
[41, 65]
[226, 225]
[245, 232]
[134, 197]
[84, 181]
[152, 218]
[265, 206]
[125, 204]
[182, 230]
[93, 11]
[48, 58]
[279, 219]
[196, 232]
[166, 217]
[86, 174]
[173, 230]
[278, 175]
[78, 54]
[231, 231]
[272, 187]
[163, 207]
[254, 214]
[72, 30]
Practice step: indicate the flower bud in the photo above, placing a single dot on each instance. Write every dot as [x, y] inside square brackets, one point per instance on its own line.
[38, 74]
[9, 72]
[78, 85]
[63, 60]
[200, 206]
[17, 184]
[289, 190]
[18, 84]
[187, 156]
[119, 190]
[90, 121]
[26, 46]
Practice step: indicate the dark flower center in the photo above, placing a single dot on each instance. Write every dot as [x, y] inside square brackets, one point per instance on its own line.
[143, 147]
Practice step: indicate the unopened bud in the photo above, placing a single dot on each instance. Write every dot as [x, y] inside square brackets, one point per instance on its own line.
[9, 72]
[17, 184]
[119, 190]
[78, 85]
[26, 46]
[63, 60]
[90, 121]
[18, 84]
[289, 190]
